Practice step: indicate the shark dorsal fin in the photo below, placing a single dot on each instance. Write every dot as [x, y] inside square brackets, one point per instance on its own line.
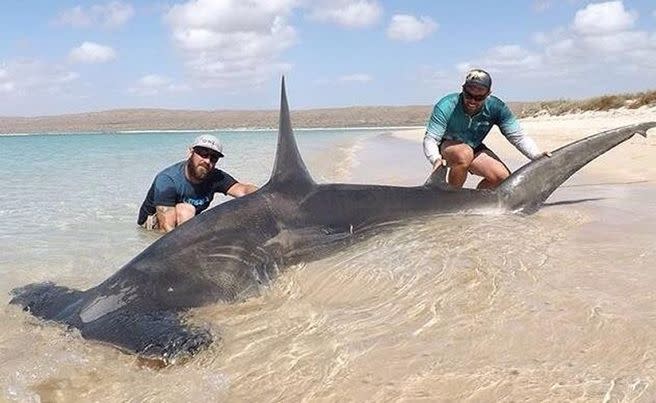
[289, 167]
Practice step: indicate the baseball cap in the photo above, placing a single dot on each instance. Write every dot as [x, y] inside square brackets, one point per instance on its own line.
[208, 141]
[479, 77]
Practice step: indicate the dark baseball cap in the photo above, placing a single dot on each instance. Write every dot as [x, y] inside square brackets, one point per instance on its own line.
[479, 77]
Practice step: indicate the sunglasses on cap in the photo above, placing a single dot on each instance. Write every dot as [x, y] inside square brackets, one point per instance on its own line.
[477, 98]
[207, 153]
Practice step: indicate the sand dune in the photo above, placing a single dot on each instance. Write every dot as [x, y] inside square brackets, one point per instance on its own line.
[161, 119]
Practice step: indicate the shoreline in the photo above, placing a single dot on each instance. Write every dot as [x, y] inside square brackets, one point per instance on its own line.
[227, 130]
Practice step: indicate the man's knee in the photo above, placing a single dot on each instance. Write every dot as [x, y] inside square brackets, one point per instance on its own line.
[459, 156]
[497, 176]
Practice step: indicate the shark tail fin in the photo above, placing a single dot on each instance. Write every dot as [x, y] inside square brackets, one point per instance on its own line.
[155, 335]
[527, 188]
[289, 166]
[46, 300]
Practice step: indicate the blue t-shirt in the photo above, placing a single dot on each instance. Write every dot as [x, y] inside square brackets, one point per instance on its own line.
[450, 121]
[171, 187]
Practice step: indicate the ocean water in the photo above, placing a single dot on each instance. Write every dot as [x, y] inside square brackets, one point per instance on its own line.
[78, 194]
[557, 306]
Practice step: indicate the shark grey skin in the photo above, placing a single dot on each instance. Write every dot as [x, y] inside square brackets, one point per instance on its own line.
[235, 249]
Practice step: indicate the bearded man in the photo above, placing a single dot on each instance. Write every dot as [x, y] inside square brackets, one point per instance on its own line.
[186, 188]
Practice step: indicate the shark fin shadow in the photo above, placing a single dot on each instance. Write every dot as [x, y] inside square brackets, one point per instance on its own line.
[573, 201]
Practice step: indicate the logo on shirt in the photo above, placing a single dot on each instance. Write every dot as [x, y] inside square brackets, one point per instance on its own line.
[196, 202]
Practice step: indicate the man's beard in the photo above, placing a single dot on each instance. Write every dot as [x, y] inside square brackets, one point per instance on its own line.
[199, 171]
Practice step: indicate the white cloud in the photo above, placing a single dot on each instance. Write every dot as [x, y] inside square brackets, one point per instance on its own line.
[565, 48]
[544, 38]
[541, 5]
[75, 17]
[232, 42]
[109, 15]
[504, 58]
[90, 52]
[347, 13]
[600, 43]
[604, 18]
[114, 14]
[408, 28]
[7, 86]
[359, 78]
[154, 80]
[618, 42]
[600, 33]
[155, 84]
[22, 76]
[437, 78]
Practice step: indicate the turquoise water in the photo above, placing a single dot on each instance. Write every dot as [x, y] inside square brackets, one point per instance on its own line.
[69, 202]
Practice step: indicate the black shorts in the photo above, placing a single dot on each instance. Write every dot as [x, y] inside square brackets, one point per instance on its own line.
[477, 150]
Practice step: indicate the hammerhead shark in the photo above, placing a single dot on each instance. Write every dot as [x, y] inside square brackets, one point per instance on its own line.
[235, 250]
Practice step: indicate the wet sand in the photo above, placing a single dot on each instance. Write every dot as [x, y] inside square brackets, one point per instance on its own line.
[576, 319]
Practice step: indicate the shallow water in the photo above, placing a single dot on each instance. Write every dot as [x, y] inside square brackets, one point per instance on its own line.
[554, 306]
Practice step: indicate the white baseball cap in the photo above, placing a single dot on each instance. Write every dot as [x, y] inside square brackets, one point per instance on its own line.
[208, 141]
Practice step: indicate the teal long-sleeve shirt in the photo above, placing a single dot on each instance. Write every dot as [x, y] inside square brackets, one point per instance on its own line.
[450, 121]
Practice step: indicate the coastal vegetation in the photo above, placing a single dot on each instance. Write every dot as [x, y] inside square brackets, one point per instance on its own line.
[601, 103]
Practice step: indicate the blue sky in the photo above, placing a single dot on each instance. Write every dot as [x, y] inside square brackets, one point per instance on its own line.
[67, 57]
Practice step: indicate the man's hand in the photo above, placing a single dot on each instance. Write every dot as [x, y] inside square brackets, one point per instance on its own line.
[241, 189]
[440, 162]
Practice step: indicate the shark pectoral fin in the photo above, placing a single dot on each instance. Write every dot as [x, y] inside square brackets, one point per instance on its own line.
[159, 335]
[437, 178]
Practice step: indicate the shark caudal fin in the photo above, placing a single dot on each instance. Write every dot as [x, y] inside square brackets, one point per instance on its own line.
[155, 335]
[527, 188]
[289, 166]
[47, 300]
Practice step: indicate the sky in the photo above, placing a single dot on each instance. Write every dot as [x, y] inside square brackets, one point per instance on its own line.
[67, 57]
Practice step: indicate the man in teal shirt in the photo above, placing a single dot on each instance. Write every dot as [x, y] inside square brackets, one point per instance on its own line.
[458, 125]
